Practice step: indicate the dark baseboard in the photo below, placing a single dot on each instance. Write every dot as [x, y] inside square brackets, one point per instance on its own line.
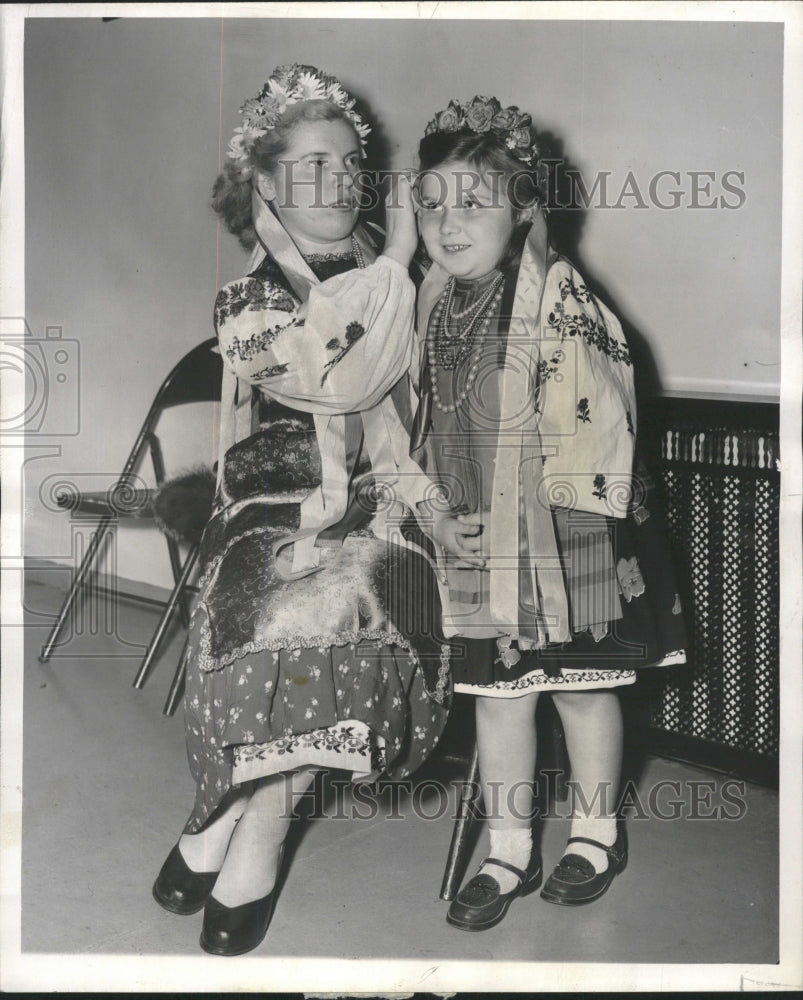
[752, 767]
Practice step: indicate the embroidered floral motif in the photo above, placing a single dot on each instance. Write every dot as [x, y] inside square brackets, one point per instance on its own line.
[582, 678]
[508, 656]
[336, 739]
[629, 419]
[251, 294]
[583, 411]
[631, 581]
[270, 371]
[567, 287]
[546, 369]
[600, 489]
[325, 258]
[245, 350]
[580, 324]
[354, 331]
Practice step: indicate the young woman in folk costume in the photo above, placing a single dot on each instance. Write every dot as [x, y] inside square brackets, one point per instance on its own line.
[313, 641]
[528, 420]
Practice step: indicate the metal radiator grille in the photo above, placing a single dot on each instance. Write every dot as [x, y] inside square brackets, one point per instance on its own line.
[718, 467]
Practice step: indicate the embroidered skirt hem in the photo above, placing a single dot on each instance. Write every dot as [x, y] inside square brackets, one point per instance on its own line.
[537, 680]
[348, 745]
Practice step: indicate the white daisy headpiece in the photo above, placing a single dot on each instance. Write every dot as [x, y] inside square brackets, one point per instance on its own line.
[288, 85]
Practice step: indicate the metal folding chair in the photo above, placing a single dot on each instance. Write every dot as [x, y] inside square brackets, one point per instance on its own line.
[196, 378]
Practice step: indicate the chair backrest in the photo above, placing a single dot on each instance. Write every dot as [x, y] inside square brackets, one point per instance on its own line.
[196, 378]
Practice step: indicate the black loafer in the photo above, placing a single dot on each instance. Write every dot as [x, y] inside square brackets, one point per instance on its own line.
[480, 904]
[575, 881]
[234, 930]
[178, 888]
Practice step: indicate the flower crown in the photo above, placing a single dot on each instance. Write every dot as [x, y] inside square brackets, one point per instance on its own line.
[288, 85]
[486, 114]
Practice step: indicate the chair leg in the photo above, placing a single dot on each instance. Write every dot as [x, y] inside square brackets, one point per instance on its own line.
[175, 565]
[552, 745]
[455, 862]
[78, 581]
[176, 691]
[164, 621]
[553, 755]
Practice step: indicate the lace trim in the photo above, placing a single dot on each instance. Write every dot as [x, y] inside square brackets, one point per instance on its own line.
[442, 684]
[209, 662]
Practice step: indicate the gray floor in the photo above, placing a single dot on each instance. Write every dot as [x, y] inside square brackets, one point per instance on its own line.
[106, 791]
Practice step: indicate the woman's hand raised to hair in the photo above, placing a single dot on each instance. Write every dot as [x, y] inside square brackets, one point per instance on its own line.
[402, 231]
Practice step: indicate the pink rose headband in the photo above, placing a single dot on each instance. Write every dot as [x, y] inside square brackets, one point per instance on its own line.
[486, 114]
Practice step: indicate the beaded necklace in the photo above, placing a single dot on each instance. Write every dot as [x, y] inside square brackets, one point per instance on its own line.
[447, 350]
[357, 251]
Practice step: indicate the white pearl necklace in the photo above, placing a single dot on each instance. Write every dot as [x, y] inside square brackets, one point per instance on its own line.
[357, 250]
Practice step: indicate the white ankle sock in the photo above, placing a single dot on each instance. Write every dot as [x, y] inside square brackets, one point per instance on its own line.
[602, 829]
[515, 847]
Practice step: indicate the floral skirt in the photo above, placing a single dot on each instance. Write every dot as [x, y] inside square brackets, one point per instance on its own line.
[360, 707]
[343, 668]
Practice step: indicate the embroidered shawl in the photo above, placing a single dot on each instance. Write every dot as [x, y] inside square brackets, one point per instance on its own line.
[567, 419]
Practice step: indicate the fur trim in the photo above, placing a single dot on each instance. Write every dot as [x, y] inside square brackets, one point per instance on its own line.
[183, 505]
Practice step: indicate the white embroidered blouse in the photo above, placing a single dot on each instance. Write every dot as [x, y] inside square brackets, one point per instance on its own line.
[340, 351]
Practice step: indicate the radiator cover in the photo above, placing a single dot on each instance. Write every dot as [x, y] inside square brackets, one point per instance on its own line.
[717, 464]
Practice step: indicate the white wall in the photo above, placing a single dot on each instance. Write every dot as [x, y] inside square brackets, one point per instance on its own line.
[124, 126]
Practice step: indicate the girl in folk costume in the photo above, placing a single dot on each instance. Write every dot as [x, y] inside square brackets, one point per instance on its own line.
[527, 419]
[299, 654]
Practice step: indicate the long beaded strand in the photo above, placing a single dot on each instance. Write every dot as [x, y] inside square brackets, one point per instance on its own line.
[444, 352]
[438, 324]
[357, 250]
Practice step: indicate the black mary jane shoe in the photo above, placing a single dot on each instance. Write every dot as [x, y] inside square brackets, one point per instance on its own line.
[480, 904]
[575, 881]
[178, 888]
[234, 930]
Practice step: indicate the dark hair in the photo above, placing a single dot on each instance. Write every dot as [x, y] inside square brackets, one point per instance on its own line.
[231, 194]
